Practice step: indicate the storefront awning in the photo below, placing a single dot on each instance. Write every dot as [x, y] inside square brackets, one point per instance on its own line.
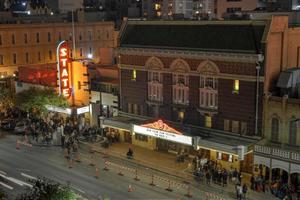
[217, 146]
[120, 122]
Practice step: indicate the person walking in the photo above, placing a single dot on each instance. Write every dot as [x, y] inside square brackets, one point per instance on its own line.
[245, 189]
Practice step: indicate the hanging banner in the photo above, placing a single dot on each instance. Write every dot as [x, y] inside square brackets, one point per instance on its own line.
[63, 68]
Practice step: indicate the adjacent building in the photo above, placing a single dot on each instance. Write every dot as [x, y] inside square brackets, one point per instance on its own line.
[31, 42]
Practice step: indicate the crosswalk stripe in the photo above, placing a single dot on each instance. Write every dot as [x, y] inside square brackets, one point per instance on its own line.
[2, 172]
[16, 181]
[7, 186]
[28, 176]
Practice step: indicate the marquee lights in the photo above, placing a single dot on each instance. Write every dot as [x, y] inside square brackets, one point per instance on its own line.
[63, 68]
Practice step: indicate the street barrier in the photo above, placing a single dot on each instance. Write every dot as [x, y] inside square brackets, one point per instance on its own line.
[77, 156]
[17, 145]
[169, 186]
[152, 180]
[92, 160]
[136, 176]
[105, 166]
[189, 193]
[166, 183]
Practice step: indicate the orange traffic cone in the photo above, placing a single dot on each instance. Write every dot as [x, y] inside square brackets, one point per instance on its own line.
[96, 172]
[130, 189]
[17, 145]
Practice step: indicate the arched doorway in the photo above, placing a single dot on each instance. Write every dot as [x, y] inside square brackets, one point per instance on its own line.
[295, 185]
[280, 182]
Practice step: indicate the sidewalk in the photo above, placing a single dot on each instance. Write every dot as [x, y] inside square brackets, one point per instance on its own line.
[166, 163]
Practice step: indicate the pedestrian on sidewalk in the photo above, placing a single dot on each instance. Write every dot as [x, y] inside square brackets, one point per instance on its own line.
[245, 189]
[239, 191]
[208, 177]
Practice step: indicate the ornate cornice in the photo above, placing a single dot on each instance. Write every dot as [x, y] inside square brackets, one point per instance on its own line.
[205, 55]
[195, 73]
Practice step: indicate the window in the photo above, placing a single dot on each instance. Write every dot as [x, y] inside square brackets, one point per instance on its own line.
[275, 129]
[26, 57]
[50, 54]
[141, 137]
[70, 36]
[208, 92]
[236, 86]
[180, 89]
[1, 60]
[155, 87]
[59, 36]
[99, 34]
[226, 125]
[13, 39]
[39, 56]
[133, 75]
[129, 108]
[180, 116]
[135, 109]
[224, 157]
[80, 36]
[244, 128]
[0, 39]
[14, 58]
[233, 0]
[81, 52]
[293, 133]
[49, 37]
[90, 35]
[208, 122]
[37, 37]
[233, 10]
[90, 48]
[157, 6]
[235, 127]
[25, 38]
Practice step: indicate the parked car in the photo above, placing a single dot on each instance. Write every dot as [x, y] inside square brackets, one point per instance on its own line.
[20, 128]
[8, 124]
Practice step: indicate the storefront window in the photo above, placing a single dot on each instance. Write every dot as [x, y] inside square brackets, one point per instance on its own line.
[140, 137]
[224, 157]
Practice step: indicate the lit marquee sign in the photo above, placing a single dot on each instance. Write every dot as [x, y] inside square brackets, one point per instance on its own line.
[161, 130]
[63, 68]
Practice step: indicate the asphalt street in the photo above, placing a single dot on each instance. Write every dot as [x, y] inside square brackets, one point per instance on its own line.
[49, 162]
[17, 166]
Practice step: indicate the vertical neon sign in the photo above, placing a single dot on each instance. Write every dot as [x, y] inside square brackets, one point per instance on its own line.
[63, 68]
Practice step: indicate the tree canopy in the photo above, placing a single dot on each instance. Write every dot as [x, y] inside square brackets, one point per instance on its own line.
[35, 100]
[46, 189]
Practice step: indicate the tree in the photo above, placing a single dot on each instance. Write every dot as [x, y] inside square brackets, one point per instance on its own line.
[6, 98]
[35, 100]
[46, 189]
[2, 195]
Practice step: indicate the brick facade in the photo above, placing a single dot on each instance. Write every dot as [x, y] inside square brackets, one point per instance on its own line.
[234, 107]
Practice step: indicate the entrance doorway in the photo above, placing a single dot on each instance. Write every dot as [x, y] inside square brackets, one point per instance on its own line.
[127, 137]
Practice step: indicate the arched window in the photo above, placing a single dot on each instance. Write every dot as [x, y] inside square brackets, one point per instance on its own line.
[275, 129]
[293, 133]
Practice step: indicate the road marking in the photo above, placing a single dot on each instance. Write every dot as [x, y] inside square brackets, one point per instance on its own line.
[79, 190]
[2, 172]
[7, 186]
[28, 176]
[25, 170]
[16, 181]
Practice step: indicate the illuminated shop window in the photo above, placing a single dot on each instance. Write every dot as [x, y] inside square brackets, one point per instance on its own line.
[157, 6]
[133, 75]
[208, 122]
[236, 86]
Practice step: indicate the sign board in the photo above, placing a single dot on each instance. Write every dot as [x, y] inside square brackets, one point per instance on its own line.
[82, 110]
[58, 109]
[163, 135]
[241, 150]
[63, 69]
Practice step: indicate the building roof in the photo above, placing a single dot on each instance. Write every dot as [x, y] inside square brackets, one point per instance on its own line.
[232, 36]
